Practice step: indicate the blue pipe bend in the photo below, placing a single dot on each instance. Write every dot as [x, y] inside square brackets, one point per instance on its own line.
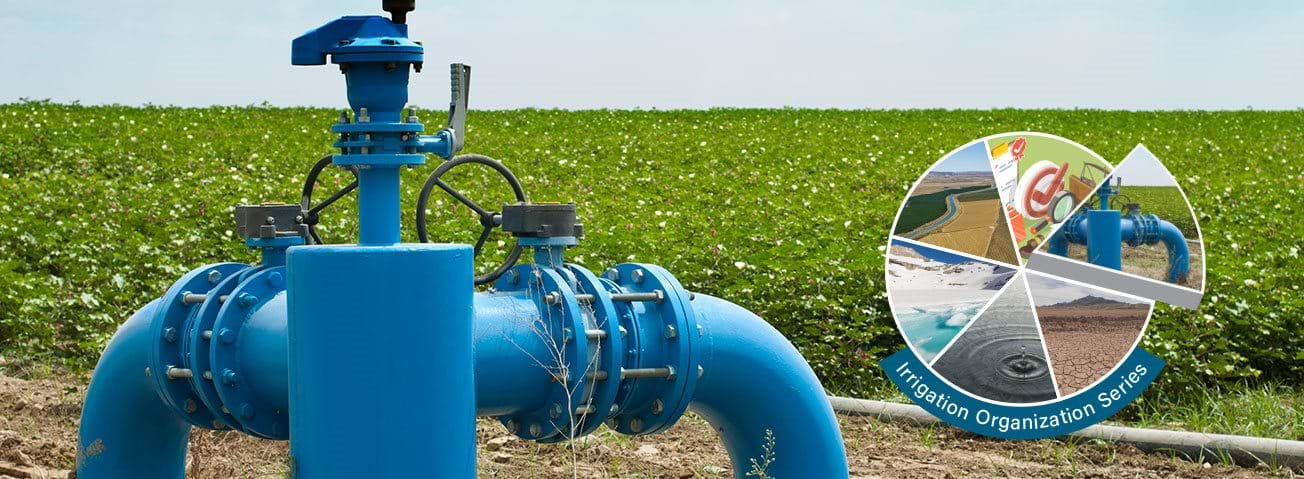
[1134, 230]
[755, 385]
[126, 429]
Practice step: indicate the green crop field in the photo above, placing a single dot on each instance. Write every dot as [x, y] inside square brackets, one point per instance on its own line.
[783, 211]
[1164, 202]
[921, 209]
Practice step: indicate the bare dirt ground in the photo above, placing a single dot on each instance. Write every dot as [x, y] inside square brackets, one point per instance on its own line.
[1151, 261]
[1085, 343]
[38, 424]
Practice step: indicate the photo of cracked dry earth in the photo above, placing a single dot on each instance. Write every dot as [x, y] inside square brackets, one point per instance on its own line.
[1088, 336]
[39, 417]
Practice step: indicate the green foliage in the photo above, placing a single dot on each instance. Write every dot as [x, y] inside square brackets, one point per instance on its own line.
[1241, 409]
[783, 211]
[921, 209]
[1164, 202]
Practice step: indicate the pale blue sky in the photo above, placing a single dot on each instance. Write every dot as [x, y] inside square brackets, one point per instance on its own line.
[681, 53]
[973, 157]
[1142, 168]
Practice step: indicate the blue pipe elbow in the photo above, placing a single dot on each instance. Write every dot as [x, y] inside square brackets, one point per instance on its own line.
[1179, 255]
[1133, 230]
[125, 425]
[755, 385]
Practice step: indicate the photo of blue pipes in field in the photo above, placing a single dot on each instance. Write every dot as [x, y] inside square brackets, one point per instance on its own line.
[694, 239]
[1159, 238]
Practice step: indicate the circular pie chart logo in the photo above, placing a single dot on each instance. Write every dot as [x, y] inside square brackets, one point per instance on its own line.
[1022, 271]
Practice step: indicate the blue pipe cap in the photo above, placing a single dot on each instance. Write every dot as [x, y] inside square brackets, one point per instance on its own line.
[354, 39]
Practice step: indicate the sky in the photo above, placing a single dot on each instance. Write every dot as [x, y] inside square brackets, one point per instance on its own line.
[581, 54]
[973, 157]
[1141, 168]
[1047, 291]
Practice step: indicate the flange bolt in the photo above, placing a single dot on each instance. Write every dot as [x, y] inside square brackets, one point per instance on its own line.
[230, 377]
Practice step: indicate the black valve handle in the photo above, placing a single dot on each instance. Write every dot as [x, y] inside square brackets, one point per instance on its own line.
[398, 9]
[309, 213]
[488, 219]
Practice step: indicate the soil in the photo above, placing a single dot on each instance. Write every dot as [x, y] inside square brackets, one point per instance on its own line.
[1151, 261]
[1086, 342]
[38, 424]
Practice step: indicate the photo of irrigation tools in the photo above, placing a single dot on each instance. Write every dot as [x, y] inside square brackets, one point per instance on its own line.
[934, 294]
[955, 206]
[1000, 356]
[1042, 180]
[1151, 228]
[1088, 331]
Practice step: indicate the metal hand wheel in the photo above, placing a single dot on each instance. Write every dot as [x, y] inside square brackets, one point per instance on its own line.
[488, 219]
[308, 212]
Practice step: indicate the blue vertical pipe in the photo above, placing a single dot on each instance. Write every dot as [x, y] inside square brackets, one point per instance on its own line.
[126, 430]
[381, 361]
[1103, 245]
[378, 206]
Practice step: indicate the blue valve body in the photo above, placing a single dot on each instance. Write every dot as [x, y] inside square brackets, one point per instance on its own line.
[377, 58]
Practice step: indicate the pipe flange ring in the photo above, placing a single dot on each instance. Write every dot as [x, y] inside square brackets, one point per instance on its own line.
[242, 403]
[201, 337]
[605, 382]
[168, 329]
[561, 320]
[654, 404]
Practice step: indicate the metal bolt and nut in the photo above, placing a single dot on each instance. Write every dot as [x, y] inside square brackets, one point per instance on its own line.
[513, 426]
[671, 332]
[536, 430]
[191, 407]
[636, 424]
[188, 298]
[637, 276]
[214, 276]
[554, 411]
[170, 334]
[657, 407]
